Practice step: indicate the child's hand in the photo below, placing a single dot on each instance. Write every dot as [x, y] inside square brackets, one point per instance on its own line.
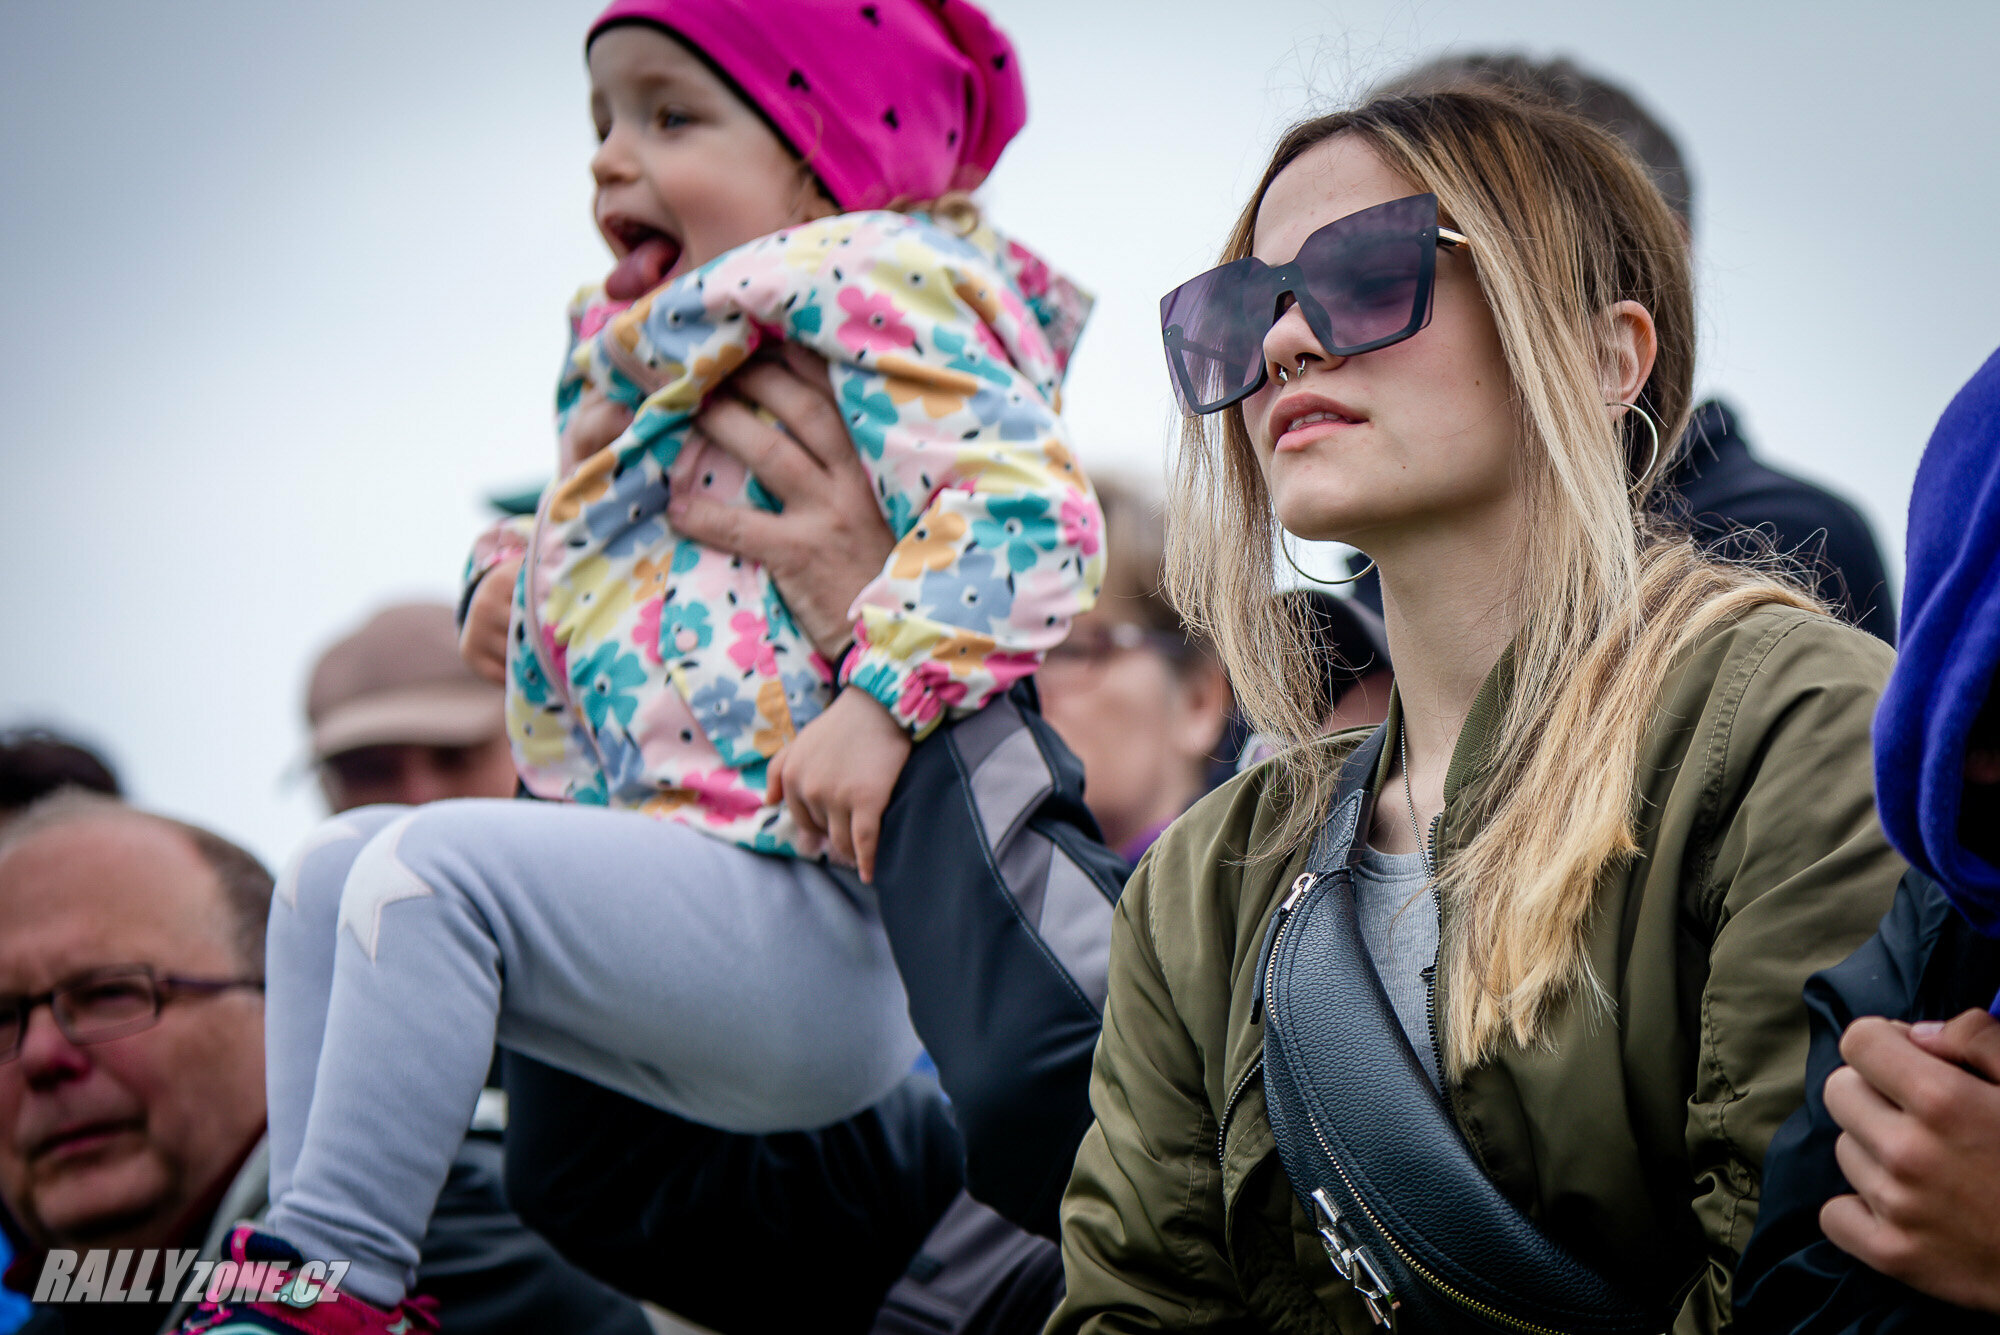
[837, 774]
[594, 422]
[482, 642]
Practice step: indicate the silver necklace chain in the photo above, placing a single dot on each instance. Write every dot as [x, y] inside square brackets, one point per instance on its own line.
[1409, 796]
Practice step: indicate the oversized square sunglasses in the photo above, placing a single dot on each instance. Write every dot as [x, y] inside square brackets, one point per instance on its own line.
[1362, 282]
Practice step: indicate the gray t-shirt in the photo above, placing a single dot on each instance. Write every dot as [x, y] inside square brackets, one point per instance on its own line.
[1399, 925]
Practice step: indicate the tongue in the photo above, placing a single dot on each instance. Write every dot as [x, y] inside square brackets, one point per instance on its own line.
[642, 270]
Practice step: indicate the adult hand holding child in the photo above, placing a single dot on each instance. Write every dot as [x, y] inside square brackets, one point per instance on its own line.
[837, 775]
[832, 540]
[830, 544]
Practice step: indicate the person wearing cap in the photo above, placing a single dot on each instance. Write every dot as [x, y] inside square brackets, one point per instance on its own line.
[397, 716]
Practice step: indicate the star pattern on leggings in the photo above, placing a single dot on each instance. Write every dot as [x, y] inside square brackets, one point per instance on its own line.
[328, 832]
[379, 879]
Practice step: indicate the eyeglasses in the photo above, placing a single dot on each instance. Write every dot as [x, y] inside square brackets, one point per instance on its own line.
[1362, 282]
[104, 1004]
[1090, 646]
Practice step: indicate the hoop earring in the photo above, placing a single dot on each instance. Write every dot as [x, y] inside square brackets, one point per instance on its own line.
[1653, 428]
[1286, 552]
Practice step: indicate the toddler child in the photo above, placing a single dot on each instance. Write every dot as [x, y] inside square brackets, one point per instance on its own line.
[657, 928]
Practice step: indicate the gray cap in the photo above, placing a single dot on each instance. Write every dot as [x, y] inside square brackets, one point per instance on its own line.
[399, 679]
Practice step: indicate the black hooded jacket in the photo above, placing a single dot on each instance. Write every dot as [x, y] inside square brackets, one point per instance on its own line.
[1925, 963]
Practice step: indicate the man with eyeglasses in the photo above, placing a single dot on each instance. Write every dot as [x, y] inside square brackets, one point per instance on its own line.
[132, 1100]
[131, 1038]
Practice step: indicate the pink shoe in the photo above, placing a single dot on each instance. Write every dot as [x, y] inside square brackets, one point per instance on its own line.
[298, 1306]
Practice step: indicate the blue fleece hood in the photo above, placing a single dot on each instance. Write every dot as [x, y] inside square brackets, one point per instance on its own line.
[1949, 650]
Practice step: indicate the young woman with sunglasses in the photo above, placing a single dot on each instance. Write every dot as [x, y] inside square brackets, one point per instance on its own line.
[1619, 811]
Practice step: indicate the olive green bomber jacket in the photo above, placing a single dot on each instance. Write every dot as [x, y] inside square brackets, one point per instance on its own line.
[1635, 1136]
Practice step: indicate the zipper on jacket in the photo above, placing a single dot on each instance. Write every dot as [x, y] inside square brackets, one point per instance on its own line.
[1299, 887]
[1431, 974]
[1447, 1088]
[1291, 900]
[531, 611]
[1229, 1108]
[649, 380]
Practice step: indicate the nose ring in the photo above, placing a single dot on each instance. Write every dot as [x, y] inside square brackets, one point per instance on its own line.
[1286, 378]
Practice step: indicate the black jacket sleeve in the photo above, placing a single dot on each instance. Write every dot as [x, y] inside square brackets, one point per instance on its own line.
[1924, 963]
[997, 895]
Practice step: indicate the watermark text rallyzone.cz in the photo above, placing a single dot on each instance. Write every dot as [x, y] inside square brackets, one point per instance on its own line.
[155, 1276]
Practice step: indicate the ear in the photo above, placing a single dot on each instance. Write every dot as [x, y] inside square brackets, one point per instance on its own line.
[813, 203]
[1205, 704]
[1630, 344]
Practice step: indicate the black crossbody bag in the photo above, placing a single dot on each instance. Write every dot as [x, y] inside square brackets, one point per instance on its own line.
[1404, 1209]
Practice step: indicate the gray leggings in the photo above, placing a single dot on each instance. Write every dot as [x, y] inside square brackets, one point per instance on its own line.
[747, 992]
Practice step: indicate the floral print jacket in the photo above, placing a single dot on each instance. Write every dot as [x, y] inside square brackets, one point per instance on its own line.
[649, 671]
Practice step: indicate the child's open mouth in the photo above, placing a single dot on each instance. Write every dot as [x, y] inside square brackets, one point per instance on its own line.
[650, 256]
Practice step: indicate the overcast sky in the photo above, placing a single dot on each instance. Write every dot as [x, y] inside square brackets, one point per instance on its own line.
[281, 287]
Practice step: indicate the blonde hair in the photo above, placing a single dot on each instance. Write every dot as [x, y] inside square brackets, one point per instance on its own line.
[1563, 223]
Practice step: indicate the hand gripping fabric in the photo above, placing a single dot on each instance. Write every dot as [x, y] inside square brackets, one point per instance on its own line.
[1402, 1206]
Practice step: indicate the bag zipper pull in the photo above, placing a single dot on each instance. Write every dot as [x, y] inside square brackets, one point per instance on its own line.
[1351, 1260]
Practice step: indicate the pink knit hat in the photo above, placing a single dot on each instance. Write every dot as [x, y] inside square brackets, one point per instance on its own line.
[885, 100]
